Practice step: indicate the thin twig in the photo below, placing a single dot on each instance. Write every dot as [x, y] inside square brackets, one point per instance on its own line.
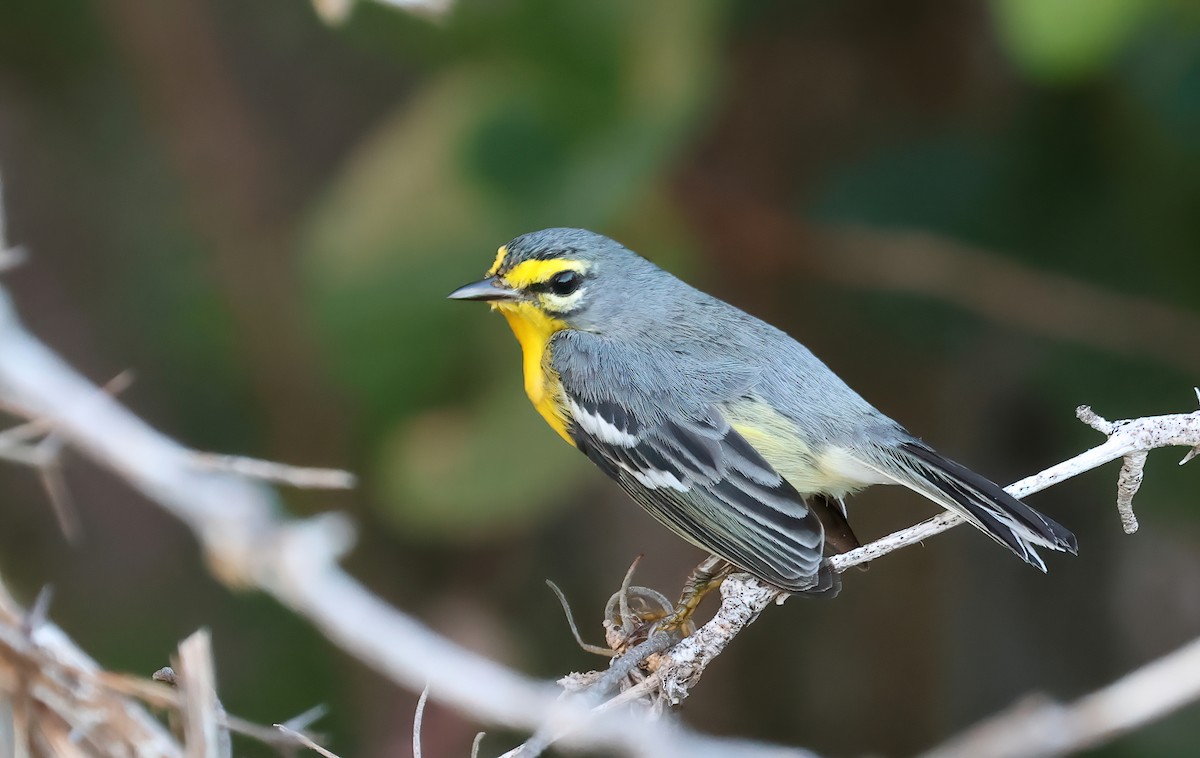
[586, 646]
[417, 718]
[277, 473]
[744, 597]
[1125, 437]
[201, 721]
[303, 739]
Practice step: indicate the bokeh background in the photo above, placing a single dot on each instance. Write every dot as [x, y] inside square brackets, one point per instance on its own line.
[981, 214]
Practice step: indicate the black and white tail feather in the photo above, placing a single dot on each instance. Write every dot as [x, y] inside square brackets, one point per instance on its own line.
[980, 501]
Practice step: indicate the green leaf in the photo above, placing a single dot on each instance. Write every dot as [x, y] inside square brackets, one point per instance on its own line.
[1060, 41]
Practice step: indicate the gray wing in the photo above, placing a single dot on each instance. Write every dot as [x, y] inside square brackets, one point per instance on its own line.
[666, 443]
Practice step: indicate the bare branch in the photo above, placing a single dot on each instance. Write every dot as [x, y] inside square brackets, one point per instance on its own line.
[39, 664]
[744, 597]
[46, 458]
[417, 718]
[201, 722]
[337, 11]
[1038, 727]
[248, 543]
[277, 473]
[303, 740]
[1124, 438]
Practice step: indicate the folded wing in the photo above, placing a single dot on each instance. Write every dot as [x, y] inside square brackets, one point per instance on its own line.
[703, 480]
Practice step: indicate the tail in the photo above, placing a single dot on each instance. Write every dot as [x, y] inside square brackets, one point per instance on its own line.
[982, 502]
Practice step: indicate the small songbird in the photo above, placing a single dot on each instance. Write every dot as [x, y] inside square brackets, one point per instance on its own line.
[724, 428]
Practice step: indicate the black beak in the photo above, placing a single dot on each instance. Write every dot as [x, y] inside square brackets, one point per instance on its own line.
[486, 289]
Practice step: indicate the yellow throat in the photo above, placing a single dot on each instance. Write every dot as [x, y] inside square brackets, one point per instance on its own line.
[533, 329]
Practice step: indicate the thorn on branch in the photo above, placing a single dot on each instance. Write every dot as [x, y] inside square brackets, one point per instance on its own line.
[1190, 455]
[39, 614]
[65, 512]
[308, 718]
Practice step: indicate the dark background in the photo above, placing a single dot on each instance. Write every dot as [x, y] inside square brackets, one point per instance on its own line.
[981, 214]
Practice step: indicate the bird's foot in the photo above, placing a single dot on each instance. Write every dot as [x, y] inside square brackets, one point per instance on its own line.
[704, 579]
[636, 613]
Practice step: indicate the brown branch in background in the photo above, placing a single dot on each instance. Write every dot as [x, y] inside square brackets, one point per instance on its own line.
[236, 189]
[772, 244]
[1002, 290]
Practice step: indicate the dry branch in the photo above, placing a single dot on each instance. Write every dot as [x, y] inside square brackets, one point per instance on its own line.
[54, 693]
[249, 542]
[744, 597]
[1039, 727]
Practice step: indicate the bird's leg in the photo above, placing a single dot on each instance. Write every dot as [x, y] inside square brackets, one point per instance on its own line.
[704, 579]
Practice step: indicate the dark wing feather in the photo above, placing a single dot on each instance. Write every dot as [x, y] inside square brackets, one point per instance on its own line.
[704, 481]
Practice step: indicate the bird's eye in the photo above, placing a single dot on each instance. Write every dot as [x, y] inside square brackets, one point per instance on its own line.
[565, 282]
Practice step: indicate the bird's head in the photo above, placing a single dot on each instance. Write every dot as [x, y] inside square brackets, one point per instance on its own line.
[558, 279]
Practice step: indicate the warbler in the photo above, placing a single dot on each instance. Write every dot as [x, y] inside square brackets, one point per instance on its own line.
[722, 427]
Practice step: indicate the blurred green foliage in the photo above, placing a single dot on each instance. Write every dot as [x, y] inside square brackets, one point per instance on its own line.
[564, 123]
[1069, 40]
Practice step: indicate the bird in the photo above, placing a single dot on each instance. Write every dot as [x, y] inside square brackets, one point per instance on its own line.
[722, 427]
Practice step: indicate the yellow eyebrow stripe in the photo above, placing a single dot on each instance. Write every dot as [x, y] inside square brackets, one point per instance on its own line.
[526, 273]
[501, 254]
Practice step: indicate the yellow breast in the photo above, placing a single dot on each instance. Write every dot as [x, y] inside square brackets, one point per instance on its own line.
[533, 329]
